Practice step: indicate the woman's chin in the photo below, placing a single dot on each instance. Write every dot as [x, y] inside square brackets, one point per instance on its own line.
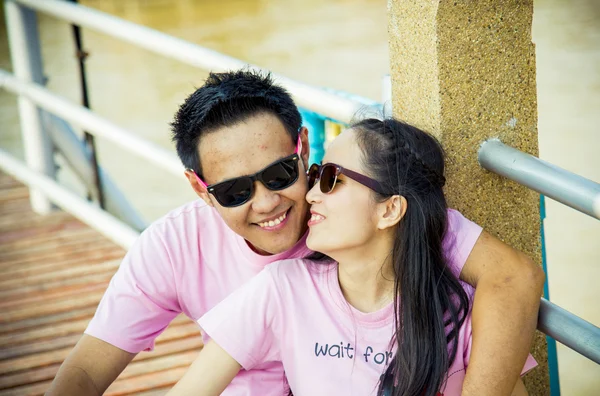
[317, 244]
[314, 243]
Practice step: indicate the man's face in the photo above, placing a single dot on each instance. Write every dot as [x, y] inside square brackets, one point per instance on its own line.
[244, 149]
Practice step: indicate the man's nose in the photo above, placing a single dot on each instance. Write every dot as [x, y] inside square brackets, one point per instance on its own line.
[264, 200]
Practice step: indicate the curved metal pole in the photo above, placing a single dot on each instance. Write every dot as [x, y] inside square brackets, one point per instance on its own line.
[570, 330]
[550, 180]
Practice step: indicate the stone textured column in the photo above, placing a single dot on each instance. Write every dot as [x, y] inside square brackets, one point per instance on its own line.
[465, 71]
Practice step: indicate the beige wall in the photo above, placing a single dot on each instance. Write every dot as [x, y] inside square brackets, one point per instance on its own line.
[567, 39]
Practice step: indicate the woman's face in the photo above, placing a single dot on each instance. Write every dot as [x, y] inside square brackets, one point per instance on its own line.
[345, 219]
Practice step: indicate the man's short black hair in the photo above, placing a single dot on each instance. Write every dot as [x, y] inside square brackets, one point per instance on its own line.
[224, 100]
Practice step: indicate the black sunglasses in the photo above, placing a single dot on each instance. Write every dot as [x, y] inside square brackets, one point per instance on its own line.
[328, 175]
[277, 176]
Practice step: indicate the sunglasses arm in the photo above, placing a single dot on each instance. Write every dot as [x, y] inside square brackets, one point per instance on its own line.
[199, 180]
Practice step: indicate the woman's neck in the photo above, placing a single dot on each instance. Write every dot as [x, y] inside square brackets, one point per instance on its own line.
[366, 275]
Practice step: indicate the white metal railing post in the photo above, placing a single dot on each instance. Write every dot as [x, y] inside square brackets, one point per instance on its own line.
[23, 38]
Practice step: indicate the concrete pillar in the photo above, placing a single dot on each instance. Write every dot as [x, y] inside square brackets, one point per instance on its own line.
[465, 71]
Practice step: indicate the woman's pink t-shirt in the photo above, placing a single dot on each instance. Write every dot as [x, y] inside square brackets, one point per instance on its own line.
[294, 312]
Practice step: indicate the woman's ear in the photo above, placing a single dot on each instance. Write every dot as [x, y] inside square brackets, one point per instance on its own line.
[392, 210]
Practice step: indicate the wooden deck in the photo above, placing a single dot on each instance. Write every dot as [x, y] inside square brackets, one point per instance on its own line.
[53, 272]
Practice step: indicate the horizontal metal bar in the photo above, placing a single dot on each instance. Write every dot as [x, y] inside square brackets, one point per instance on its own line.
[570, 330]
[550, 180]
[74, 152]
[329, 104]
[91, 122]
[109, 226]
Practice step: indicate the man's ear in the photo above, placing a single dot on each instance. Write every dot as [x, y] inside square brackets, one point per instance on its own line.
[392, 211]
[198, 188]
[305, 147]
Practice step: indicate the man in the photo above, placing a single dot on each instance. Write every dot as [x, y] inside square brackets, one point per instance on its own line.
[240, 124]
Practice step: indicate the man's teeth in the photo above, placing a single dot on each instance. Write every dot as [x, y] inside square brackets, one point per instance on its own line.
[273, 223]
[316, 217]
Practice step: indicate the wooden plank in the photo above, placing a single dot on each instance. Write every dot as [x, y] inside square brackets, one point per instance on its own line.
[53, 273]
[173, 332]
[60, 275]
[16, 351]
[10, 222]
[135, 385]
[30, 302]
[20, 258]
[46, 261]
[44, 238]
[17, 192]
[137, 367]
[159, 364]
[13, 207]
[60, 285]
[45, 332]
[96, 256]
[49, 242]
[192, 343]
[23, 378]
[164, 379]
[11, 326]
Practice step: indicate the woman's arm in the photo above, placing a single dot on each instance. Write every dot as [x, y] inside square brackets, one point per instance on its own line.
[209, 375]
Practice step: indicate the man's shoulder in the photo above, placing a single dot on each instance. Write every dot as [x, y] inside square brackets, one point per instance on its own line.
[189, 210]
[300, 269]
[191, 217]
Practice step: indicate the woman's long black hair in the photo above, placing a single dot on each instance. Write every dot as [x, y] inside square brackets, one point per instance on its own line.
[430, 304]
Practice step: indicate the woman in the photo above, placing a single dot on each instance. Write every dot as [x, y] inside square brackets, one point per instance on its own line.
[383, 313]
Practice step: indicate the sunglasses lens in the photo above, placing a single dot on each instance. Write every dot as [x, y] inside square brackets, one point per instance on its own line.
[281, 175]
[328, 177]
[313, 175]
[234, 192]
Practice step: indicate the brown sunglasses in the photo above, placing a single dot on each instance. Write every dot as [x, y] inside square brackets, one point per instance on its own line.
[328, 174]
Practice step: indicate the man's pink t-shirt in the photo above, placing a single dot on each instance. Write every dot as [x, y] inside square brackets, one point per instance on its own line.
[294, 312]
[189, 261]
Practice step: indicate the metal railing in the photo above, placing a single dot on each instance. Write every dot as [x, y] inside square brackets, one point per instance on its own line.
[319, 100]
[87, 119]
[570, 189]
[570, 330]
[117, 231]
[559, 184]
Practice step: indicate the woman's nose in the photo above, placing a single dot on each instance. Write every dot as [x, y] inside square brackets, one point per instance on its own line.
[314, 195]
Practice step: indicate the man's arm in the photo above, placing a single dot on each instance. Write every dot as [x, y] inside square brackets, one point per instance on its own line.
[508, 287]
[89, 369]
